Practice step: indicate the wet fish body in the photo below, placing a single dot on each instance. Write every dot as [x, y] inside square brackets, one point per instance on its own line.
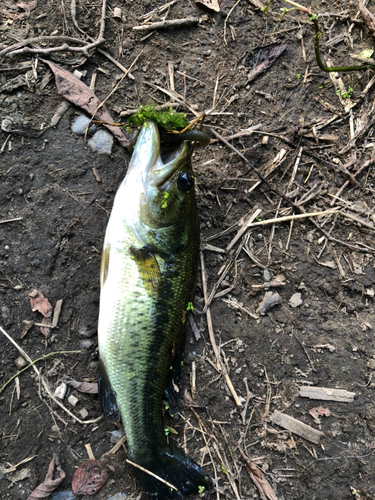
[148, 277]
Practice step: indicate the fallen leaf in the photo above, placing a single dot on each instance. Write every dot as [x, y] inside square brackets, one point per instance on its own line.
[319, 411]
[210, 4]
[40, 303]
[90, 477]
[43, 491]
[88, 387]
[367, 17]
[19, 475]
[266, 59]
[76, 92]
[270, 300]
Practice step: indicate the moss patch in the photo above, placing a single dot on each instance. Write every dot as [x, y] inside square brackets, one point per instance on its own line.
[167, 118]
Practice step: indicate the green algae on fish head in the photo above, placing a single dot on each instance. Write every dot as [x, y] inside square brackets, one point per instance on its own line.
[167, 119]
[165, 219]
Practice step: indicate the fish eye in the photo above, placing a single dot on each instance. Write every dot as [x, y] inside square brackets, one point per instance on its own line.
[184, 181]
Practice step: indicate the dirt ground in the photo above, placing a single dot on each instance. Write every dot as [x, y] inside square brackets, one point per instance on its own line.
[324, 337]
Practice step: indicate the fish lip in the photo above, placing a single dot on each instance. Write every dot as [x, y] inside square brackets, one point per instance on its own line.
[162, 172]
[147, 157]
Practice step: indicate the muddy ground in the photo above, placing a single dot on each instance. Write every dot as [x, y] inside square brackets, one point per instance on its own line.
[47, 180]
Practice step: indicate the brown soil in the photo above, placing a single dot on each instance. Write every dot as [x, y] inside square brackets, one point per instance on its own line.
[48, 180]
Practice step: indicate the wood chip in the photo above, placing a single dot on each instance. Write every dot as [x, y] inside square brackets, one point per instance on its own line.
[56, 313]
[297, 427]
[340, 395]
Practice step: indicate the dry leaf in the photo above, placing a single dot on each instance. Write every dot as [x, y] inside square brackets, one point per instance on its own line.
[367, 17]
[40, 303]
[76, 92]
[319, 411]
[90, 477]
[88, 387]
[267, 58]
[210, 4]
[44, 490]
[270, 300]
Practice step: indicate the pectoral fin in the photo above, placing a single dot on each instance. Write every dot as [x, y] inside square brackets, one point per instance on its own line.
[148, 267]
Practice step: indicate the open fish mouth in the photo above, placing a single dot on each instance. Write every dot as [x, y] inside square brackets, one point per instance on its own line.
[153, 161]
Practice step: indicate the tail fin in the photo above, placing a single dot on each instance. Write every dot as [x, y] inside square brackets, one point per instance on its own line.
[177, 469]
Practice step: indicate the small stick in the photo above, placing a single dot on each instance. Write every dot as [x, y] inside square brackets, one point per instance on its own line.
[219, 281]
[151, 474]
[346, 183]
[249, 395]
[117, 446]
[15, 49]
[45, 384]
[10, 220]
[36, 361]
[193, 379]
[174, 23]
[244, 228]
[89, 451]
[212, 336]
[362, 248]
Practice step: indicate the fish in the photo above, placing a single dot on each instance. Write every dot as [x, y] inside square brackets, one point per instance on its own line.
[148, 278]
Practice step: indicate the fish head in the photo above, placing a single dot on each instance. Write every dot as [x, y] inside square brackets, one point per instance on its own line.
[162, 183]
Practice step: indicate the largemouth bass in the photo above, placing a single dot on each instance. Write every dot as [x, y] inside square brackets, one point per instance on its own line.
[148, 277]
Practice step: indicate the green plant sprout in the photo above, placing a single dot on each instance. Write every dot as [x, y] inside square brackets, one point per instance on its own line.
[201, 489]
[346, 94]
[298, 76]
[190, 306]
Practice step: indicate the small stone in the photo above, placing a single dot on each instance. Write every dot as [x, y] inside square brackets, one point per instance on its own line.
[101, 142]
[64, 495]
[371, 364]
[6, 125]
[117, 12]
[20, 362]
[115, 435]
[93, 365]
[266, 275]
[60, 390]
[54, 428]
[86, 344]
[84, 413]
[310, 237]
[118, 496]
[295, 300]
[80, 125]
[72, 400]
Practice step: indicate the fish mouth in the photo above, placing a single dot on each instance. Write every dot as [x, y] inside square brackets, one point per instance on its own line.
[159, 161]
